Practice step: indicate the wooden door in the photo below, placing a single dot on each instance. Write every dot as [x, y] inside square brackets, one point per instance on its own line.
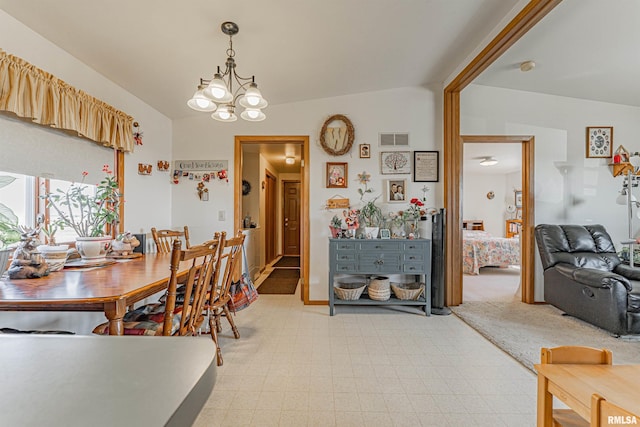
[291, 218]
[270, 236]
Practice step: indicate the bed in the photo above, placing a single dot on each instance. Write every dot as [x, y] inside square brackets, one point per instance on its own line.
[481, 249]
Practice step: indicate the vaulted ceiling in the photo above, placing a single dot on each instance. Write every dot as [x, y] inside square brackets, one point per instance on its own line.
[297, 50]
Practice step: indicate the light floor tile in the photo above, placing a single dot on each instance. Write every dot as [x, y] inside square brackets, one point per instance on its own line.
[295, 365]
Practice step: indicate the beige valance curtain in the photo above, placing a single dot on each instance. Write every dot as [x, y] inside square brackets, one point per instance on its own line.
[33, 93]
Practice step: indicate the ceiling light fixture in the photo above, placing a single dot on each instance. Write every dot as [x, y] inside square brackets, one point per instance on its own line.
[488, 161]
[289, 160]
[217, 95]
[527, 66]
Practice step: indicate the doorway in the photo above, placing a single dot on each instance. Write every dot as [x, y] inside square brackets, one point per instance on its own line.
[274, 160]
[492, 221]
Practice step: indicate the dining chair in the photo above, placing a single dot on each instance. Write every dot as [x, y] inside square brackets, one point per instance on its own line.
[578, 355]
[219, 295]
[176, 316]
[164, 238]
[602, 410]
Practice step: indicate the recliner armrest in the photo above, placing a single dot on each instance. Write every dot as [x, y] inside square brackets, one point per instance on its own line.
[591, 276]
[632, 273]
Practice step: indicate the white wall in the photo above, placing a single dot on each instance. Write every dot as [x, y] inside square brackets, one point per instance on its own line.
[147, 198]
[569, 188]
[413, 110]
[476, 205]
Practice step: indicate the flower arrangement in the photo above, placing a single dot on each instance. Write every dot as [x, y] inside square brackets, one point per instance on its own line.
[351, 219]
[415, 210]
[87, 214]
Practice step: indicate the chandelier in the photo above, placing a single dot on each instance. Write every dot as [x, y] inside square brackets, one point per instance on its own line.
[217, 95]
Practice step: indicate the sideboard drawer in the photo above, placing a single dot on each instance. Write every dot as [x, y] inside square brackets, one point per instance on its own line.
[347, 245]
[414, 256]
[345, 256]
[413, 268]
[415, 246]
[378, 245]
[346, 267]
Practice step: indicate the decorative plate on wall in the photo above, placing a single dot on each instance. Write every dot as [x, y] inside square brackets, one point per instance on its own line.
[246, 187]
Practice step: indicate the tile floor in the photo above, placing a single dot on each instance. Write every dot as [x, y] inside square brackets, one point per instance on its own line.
[294, 365]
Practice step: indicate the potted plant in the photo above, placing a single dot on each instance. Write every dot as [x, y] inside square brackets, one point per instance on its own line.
[371, 216]
[9, 229]
[335, 226]
[88, 214]
[55, 255]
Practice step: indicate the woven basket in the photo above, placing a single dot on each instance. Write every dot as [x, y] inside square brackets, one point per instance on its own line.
[379, 288]
[408, 291]
[349, 291]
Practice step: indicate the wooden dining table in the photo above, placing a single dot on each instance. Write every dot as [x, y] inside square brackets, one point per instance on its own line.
[575, 384]
[110, 289]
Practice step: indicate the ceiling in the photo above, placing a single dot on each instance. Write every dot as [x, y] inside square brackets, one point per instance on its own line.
[508, 155]
[158, 49]
[585, 49]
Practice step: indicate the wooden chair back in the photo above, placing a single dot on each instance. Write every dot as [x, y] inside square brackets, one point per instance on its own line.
[573, 355]
[204, 260]
[602, 410]
[164, 238]
[576, 355]
[230, 255]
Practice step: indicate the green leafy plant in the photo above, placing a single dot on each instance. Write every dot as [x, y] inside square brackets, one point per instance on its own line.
[336, 222]
[9, 229]
[371, 214]
[87, 214]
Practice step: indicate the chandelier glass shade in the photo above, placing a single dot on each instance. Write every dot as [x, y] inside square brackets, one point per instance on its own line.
[218, 95]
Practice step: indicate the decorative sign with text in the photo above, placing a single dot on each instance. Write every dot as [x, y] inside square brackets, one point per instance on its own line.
[201, 165]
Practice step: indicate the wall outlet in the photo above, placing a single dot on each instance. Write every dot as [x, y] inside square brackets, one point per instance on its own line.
[222, 216]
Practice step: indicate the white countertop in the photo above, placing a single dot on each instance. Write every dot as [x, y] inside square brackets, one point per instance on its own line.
[63, 380]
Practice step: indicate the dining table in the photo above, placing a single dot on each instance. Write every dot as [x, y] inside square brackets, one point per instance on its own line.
[109, 287]
[575, 384]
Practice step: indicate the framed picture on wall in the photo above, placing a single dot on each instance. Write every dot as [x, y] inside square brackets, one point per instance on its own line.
[395, 162]
[395, 191]
[518, 199]
[599, 141]
[425, 166]
[365, 151]
[336, 175]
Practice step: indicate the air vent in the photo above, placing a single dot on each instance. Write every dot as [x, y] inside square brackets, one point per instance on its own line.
[394, 139]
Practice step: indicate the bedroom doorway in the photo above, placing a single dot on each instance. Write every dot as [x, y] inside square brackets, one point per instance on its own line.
[492, 220]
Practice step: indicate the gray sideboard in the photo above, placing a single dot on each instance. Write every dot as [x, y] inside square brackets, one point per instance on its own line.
[380, 257]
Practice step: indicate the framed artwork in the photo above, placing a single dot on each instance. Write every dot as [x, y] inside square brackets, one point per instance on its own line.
[599, 141]
[395, 162]
[395, 191]
[519, 214]
[365, 151]
[336, 136]
[336, 175]
[426, 166]
[385, 233]
[518, 199]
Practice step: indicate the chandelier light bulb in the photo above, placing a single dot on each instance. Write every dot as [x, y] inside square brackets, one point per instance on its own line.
[253, 115]
[199, 102]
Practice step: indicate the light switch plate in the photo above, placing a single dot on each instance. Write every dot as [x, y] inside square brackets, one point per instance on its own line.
[222, 215]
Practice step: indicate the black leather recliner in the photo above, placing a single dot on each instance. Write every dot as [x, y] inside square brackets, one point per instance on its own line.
[584, 277]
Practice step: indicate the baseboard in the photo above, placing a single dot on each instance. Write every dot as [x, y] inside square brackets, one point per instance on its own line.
[316, 302]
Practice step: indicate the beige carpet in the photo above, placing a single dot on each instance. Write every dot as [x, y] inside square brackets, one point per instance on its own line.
[522, 329]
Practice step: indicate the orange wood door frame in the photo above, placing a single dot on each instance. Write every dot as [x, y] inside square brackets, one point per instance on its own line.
[528, 17]
[303, 141]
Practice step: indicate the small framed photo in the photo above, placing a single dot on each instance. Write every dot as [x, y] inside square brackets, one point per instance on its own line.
[518, 199]
[395, 191]
[426, 166]
[395, 162]
[365, 151]
[336, 175]
[385, 233]
[599, 141]
[519, 213]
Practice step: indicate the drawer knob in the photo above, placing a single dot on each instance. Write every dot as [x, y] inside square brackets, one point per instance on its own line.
[412, 257]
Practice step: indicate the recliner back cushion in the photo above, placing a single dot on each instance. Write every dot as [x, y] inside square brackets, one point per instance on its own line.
[583, 246]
